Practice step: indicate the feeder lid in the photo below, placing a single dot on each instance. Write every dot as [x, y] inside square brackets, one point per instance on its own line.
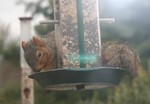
[79, 79]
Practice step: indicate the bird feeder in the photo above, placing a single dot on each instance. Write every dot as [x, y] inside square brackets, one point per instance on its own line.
[78, 41]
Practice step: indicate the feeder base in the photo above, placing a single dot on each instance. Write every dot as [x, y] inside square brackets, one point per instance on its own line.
[79, 79]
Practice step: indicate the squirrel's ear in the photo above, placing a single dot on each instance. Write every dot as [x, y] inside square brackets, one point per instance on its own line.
[24, 44]
[38, 41]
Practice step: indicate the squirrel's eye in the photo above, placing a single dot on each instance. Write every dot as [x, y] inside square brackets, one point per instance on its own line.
[39, 54]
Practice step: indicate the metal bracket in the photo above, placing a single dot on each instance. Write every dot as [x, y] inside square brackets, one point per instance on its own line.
[102, 20]
[107, 20]
[49, 22]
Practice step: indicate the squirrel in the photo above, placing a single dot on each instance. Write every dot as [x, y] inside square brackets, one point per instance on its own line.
[41, 54]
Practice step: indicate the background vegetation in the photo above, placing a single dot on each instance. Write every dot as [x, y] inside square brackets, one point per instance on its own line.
[131, 26]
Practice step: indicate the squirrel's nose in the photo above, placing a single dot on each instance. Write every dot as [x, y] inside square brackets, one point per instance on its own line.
[37, 70]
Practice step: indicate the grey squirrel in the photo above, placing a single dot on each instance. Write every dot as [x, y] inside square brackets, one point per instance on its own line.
[41, 54]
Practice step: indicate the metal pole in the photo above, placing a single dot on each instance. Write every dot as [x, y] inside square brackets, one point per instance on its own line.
[27, 83]
[81, 33]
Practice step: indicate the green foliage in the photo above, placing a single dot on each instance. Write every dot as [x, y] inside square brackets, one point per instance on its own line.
[40, 7]
[136, 92]
[44, 29]
[144, 51]
[43, 7]
[4, 32]
[10, 95]
[12, 53]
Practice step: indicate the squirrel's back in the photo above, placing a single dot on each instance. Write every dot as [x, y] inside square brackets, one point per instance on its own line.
[115, 54]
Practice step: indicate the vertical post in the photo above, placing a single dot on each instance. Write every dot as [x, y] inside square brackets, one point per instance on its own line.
[27, 83]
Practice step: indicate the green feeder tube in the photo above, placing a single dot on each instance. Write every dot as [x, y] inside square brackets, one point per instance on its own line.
[81, 33]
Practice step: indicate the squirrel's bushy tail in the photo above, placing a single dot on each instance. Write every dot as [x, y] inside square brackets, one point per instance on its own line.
[115, 54]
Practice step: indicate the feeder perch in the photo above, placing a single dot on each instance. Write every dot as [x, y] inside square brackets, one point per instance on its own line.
[78, 43]
[50, 22]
